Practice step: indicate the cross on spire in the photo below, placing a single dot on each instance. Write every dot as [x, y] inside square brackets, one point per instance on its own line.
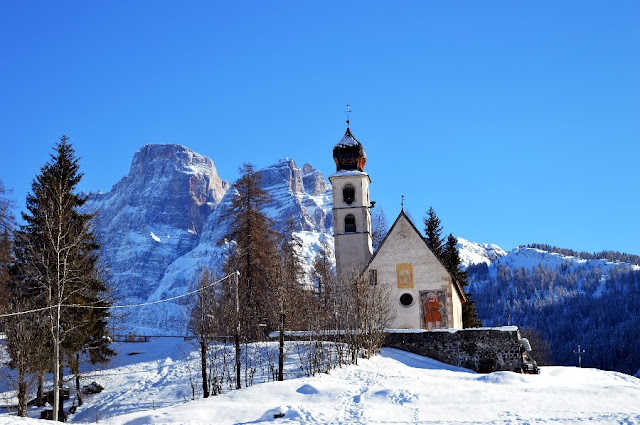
[348, 111]
[580, 352]
[402, 203]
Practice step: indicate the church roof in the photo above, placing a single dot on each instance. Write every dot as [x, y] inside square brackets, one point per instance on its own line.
[349, 154]
[456, 284]
[347, 140]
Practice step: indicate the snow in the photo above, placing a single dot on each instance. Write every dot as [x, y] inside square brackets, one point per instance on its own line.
[394, 387]
[342, 173]
[477, 253]
[346, 141]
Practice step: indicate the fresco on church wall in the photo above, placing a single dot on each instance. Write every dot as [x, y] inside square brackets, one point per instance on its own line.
[433, 309]
[404, 271]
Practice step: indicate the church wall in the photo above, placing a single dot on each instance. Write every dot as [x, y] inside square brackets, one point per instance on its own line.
[404, 255]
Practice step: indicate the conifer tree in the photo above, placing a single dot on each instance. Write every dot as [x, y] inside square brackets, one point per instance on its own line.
[254, 252]
[57, 263]
[451, 260]
[433, 231]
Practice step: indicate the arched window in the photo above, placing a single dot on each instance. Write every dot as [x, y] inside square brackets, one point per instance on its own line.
[349, 224]
[348, 193]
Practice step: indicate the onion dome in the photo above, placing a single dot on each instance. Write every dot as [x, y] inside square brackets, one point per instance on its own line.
[349, 154]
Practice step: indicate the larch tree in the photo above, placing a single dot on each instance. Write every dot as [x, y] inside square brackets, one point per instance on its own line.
[253, 253]
[59, 263]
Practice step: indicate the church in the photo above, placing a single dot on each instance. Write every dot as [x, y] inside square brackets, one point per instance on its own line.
[423, 293]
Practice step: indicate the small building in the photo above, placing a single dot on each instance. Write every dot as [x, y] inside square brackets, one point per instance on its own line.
[423, 293]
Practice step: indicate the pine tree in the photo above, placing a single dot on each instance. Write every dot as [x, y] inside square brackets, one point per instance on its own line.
[451, 260]
[433, 231]
[57, 262]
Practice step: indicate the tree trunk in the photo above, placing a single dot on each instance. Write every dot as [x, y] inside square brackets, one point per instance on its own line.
[236, 335]
[203, 364]
[22, 394]
[281, 348]
[40, 394]
[76, 372]
[56, 367]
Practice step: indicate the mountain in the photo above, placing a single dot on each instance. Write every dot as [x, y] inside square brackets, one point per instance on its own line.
[477, 253]
[166, 220]
[153, 215]
[169, 217]
[566, 301]
[309, 205]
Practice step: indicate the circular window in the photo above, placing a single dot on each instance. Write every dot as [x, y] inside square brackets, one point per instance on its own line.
[406, 300]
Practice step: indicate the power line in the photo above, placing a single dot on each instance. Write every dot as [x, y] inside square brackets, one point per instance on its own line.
[119, 306]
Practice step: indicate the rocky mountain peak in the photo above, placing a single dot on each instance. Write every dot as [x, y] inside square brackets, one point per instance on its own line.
[313, 181]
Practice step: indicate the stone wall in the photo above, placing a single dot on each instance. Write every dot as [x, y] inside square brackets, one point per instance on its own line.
[479, 349]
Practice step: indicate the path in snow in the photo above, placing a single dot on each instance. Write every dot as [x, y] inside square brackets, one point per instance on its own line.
[395, 387]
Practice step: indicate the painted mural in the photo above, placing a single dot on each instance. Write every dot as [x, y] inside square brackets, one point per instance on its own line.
[404, 271]
[433, 308]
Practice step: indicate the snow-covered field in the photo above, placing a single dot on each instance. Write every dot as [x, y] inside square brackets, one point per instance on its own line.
[153, 387]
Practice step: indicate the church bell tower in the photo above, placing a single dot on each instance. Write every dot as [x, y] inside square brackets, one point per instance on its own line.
[351, 216]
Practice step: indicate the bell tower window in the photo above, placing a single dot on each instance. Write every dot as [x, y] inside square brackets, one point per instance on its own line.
[348, 193]
[350, 224]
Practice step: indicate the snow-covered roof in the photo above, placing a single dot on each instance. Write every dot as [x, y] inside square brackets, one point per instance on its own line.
[347, 140]
[343, 173]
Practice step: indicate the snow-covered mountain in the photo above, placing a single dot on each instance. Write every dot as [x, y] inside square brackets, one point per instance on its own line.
[476, 253]
[167, 219]
[153, 215]
[567, 301]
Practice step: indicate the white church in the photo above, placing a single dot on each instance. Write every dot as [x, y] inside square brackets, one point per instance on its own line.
[423, 293]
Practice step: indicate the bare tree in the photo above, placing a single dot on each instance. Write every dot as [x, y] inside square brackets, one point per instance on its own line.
[379, 227]
[287, 287]
[323, 272]
[202, 322]
[7, 225]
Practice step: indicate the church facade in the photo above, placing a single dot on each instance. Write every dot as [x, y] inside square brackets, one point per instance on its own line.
[423, 294]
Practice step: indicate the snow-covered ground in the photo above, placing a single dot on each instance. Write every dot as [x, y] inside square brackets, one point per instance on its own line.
[394, 387]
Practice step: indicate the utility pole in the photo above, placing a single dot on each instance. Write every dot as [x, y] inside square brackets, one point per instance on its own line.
[236, 335]
[579, 353]
[281, 341]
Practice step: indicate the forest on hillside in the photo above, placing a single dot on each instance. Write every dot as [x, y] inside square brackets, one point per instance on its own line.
[567, 307]
[613, 256]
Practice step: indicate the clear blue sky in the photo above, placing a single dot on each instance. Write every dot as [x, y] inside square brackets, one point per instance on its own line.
[517, 121]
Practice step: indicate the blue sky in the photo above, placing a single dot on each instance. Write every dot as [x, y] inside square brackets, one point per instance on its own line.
[517, 121]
